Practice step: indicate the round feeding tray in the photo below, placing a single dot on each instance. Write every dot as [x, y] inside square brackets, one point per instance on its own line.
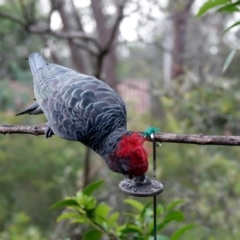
[144, 189]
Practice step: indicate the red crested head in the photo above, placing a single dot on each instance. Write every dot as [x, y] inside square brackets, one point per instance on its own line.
[132, 155]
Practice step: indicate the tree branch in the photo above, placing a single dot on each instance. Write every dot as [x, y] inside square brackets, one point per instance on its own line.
[63, 34]
[85, 48]
[198, 139]
[20, 129]
[12, 18]
[115, 27]
[46, 30]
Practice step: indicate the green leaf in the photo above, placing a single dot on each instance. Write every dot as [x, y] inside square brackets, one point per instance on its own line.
[172, 205]
[69, 215]
[113, 218]
[172, 216]
[92, 187]
[102, 211]
[181, 231]
[210, 4]
[79, 195]
[134, 203]
[229, 60]
[65, 203]
[231, 7]
[145, 208]
[227, 9]
[93, 234]
[230, 27]
[160, 209]
[83, 220]
[89, 202]
[130, 228]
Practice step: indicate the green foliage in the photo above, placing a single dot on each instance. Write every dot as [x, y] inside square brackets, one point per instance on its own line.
[224, 6]
[93, 234]
[16, 44]
[5, 92]
[229, 60]
[35, 173]
[211, 4]
[206, 177]
[103, 221]
[91, 188]
[13, 93]
[209, 109]
[20, 229]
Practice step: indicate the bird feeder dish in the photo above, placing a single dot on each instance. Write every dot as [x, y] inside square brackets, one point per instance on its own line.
[147, 188]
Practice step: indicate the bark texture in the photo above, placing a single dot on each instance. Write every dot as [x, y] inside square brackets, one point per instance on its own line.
[198, 139]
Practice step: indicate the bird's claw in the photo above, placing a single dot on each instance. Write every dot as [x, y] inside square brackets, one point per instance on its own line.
[48, 132]
[142, 180]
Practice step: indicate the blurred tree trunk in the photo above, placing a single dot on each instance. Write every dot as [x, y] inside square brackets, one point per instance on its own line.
[76, 55]
[110, 61]
[180, 21]
[77, 58]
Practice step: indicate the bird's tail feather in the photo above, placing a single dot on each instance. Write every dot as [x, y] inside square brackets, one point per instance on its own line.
[34, 109]
[36, 61]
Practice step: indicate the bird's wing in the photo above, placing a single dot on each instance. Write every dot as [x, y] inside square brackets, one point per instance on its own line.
[77, 106]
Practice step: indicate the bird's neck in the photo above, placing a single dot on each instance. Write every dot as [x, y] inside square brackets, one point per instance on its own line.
[110, 143]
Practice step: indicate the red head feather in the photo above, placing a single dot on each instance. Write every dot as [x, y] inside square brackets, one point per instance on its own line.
[131, 148]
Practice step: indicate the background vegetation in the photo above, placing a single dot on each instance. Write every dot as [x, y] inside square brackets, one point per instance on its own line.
[180, 56]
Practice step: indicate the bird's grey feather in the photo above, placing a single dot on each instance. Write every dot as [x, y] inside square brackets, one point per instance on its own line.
[36, 62]
[33, 109]
[78, 107]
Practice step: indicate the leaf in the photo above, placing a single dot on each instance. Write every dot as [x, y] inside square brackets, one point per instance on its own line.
[113, 218]
[65, 203]
[134, 203]
[102, 211]
[181, 231]
[80, 220]
[231, 7]
[130, 228]
[92, 187]
[69, 215]
[151, 227]
[79, 195]
[172, 216]
[208, 5]
[145, 208]
[229, 60]
[230, 27]
[89, 202]
[160, 209]
[93, 234]
[172, 205]
[228, 9]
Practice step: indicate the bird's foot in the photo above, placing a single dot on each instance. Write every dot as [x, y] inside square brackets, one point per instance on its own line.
[48, 132]
[142, 181]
